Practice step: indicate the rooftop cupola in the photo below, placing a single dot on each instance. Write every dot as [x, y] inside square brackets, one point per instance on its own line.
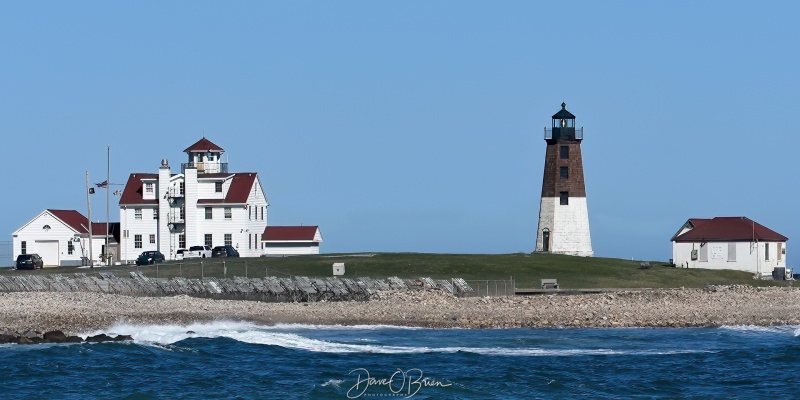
[206, 157]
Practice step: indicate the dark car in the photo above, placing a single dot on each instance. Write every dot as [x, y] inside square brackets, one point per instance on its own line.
[29, 261]
[150, 257]
[224, 251]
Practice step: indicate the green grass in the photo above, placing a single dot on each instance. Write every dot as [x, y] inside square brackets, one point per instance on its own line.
[526, 269]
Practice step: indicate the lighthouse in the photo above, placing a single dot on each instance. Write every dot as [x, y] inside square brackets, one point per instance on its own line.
[563, 213]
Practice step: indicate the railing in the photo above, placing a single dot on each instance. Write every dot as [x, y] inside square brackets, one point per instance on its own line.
[206, 167]
[548, 133]
[175, 192]
[176, 218]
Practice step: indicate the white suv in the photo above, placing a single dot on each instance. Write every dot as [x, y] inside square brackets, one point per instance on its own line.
[198, 252]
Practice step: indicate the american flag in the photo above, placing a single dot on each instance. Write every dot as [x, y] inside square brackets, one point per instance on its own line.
[102, 184]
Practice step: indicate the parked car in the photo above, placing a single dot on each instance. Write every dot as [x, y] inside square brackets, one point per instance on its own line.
[29, 261]
[224, 251]
[197, 252]
[179, 254]
[150, 257]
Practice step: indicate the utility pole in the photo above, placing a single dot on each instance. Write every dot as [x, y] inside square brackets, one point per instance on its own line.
[89, 206]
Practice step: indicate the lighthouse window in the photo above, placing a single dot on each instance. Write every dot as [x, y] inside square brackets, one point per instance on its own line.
[564, 150]
[564, 172]
[564, 198]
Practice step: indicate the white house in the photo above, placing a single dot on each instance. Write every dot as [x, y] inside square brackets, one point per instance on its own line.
[291, 240]
[737, 243]
[61, 238]
[204, 204]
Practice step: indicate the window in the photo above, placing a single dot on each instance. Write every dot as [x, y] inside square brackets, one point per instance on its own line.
[148, 188]
[210, 157]
[564, 152]
[137, 241]
[125, 233]
[208, 239]
[703, 252]
[732, 251]
[249, 241]
[780, 251]
[249, 212]
[182, 241]
[228, 239]
[766, 251]
[182, 186]
[24, 249]
[155, 213]
[564, 198]
[227, 213]
[218, 187]
[564, 172]
[183, 215]
[262, 213]
[152, 239]
[70, 247]
[208, 213]
[137, 213]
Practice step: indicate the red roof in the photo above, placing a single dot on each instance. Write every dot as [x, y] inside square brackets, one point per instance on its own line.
[289, 233]
[729, 229]
[78, 222]
[203, 145]
[134, 190]
[238, 192]
[74, 219]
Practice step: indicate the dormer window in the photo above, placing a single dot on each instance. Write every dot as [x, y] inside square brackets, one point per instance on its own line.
[148, 188]
[218, 187]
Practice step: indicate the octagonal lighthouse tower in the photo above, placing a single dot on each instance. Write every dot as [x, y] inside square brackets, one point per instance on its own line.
[563, 214]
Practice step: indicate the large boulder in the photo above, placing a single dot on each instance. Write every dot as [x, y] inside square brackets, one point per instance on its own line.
[99, 338]
[54, 337]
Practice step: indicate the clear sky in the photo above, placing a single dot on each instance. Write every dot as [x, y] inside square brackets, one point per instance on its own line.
[414, 125]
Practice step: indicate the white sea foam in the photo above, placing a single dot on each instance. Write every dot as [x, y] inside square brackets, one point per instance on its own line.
[333, 382]
[344, 327]
[755, 329]
[166, 335]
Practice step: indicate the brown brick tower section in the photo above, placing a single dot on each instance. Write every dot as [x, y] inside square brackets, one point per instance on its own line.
[557, 180]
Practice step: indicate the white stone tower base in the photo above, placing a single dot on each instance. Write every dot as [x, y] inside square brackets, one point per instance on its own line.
[566, 225]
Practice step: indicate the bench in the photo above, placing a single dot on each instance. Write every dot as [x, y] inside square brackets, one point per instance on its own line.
[644, 265]
[549, 284]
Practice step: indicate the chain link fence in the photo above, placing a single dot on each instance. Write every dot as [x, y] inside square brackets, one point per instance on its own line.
[492, 288]
[6, 259]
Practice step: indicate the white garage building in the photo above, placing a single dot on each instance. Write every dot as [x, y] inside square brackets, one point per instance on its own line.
[737, 243]
[61, 238]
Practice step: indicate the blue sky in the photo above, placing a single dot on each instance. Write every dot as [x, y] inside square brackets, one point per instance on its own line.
[414, 125]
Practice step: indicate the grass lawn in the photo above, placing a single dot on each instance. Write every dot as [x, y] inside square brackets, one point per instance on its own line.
[526, 269]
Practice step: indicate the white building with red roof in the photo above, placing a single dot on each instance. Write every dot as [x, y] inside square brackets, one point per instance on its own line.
[61, 238]
[203, 204]
[291, 240]
[737, 243]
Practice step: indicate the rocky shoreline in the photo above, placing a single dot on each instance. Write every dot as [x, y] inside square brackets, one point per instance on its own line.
[77, 313]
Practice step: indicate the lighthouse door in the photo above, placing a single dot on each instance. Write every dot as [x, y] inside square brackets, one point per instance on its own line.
[546, 241]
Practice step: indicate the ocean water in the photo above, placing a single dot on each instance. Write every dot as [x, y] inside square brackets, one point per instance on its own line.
[237, 360]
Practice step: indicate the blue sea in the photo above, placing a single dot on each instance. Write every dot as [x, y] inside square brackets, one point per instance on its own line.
[238, 360]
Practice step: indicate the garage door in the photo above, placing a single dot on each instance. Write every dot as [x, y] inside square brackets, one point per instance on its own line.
[48, 250]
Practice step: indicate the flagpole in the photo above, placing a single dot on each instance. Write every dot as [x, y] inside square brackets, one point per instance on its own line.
[108, 187]
[89, 206]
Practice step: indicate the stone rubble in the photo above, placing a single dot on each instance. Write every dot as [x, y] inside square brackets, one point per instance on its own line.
[75, 313]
